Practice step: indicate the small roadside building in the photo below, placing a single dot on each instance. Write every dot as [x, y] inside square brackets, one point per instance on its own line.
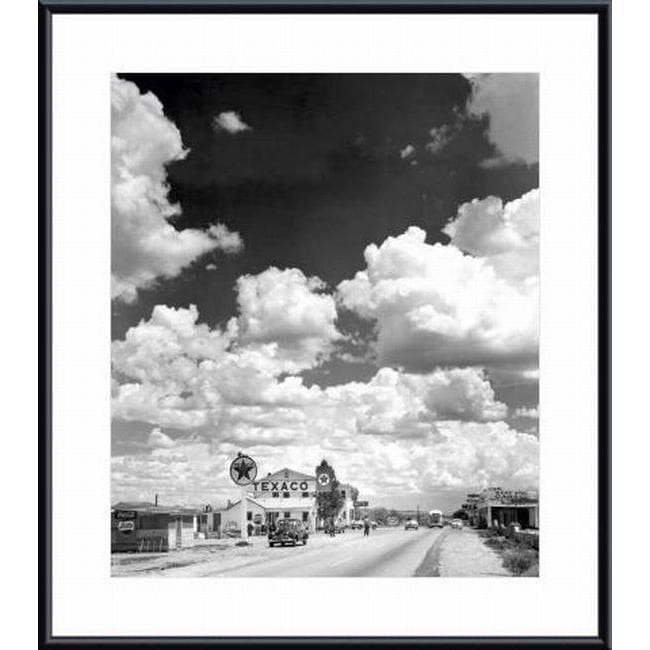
[496, 507]
[229, 519]
[145, 527]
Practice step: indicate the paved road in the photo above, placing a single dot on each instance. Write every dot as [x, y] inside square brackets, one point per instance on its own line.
[391, 552]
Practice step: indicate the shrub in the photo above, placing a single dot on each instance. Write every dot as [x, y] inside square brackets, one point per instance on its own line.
[521, 562]
[498, 543]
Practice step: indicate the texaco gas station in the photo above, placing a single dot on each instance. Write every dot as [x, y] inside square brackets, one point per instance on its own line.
[288, 493]
[284, 494]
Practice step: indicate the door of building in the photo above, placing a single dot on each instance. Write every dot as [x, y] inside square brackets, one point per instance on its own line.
[179, 532]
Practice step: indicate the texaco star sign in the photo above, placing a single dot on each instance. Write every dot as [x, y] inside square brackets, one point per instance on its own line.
[243, 470]
[323, 479]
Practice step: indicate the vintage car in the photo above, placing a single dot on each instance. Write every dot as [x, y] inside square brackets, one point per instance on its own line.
[288, 532]
[411, 524]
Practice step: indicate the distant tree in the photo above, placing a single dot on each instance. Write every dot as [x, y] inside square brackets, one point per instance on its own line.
[380, 515]
[460, 514]
[354, 493]
[329, 499]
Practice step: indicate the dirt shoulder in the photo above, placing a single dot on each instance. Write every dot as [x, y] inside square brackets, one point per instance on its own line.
[463, 554]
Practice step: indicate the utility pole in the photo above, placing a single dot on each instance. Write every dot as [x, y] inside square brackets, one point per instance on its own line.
[418, 511]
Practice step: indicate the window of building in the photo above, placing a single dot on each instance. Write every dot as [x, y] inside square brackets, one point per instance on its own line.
[286, 495]
[275, 494]
[287, 515]
[305, 494]
[249, 515]
[305, 516]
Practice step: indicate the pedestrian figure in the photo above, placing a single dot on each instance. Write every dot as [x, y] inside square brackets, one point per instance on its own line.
[332, 528]
[366, 527]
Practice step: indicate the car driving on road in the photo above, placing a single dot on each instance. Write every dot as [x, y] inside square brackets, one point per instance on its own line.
[411, 524]
[289, 532]
[456, 523]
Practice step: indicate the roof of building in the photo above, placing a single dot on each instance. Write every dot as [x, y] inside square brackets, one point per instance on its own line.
[287, 474]
[234, 503]
[502, 504]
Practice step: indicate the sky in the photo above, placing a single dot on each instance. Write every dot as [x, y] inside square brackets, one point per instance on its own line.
[325, 266]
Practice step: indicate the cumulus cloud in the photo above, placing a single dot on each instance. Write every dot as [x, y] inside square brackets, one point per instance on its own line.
[145, 244]
[506, 236]
[426, 456]
[230, 122]
[287, 311]
[405, 405]
[177, 372]
[436, 306]
[481, 455]
[511, 100]
[462, 455]
[182, 373]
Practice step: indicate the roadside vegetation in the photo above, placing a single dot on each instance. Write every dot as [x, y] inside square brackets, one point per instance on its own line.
[518, 556]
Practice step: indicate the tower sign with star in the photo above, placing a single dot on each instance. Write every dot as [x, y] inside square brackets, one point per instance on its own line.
[243, 470]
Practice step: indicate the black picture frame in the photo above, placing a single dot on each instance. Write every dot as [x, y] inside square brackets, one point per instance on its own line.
[599, 8]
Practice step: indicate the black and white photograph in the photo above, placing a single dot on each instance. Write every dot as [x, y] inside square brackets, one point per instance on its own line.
[325, 325]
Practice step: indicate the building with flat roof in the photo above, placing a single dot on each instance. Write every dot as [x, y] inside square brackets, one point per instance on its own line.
[142, 526]
[497, 507]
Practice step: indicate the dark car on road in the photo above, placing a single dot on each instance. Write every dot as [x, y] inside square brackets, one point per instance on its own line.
[288, 532]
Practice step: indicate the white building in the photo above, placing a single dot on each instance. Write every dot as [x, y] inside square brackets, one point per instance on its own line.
[230, 517]
[291, 494]
[346, 513]
[287, 494]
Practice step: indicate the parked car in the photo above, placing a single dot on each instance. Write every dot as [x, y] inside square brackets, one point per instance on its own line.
[456, 523]
[356, 525]
[373, 525]
[411, 524]
[288, 532]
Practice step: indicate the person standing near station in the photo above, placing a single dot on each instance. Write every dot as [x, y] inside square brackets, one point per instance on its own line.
[366, 526]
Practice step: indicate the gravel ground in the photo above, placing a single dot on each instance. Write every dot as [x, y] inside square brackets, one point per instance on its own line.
[463, 554]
